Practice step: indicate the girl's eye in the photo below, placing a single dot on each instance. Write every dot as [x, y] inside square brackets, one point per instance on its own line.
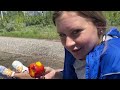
[76, 31]
[62, 35]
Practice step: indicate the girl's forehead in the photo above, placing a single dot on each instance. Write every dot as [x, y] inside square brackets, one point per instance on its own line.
[70, 17]
[67, 14]
[71, 21]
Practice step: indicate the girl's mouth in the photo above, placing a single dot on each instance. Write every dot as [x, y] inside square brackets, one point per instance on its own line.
[76, 50]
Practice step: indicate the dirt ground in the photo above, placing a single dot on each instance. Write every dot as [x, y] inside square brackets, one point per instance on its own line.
[49, 52]
[6, 59]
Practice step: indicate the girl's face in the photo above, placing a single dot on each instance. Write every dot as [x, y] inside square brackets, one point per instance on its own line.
[78, 35]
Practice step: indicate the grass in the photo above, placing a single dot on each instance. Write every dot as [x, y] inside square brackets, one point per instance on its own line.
[36, 31]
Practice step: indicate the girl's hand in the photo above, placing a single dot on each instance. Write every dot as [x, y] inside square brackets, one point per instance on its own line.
[51, 73]
[24, 75]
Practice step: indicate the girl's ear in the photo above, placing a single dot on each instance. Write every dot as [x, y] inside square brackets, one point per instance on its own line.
[101, 29]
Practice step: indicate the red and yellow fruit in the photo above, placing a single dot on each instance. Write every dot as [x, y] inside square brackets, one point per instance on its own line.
[36, 69]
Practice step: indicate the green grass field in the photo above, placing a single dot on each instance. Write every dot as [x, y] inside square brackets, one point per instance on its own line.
[35, 31]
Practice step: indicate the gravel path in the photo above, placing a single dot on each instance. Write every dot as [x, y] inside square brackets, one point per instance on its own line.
[50, 53]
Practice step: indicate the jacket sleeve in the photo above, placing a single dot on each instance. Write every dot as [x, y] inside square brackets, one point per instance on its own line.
[113, 76]
[110, 60]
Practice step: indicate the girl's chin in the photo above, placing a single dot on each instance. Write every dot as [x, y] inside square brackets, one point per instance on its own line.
[79, 58]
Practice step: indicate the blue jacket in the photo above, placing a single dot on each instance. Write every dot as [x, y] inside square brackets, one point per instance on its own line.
[103, 62]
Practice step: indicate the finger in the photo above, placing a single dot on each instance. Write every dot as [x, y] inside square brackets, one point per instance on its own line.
[50, 75]
[42, 77]
[48, 69]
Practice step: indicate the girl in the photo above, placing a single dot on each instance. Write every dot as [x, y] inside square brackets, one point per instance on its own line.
[81, 34]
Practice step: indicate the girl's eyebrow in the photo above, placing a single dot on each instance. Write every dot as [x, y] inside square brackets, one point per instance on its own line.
[72, 29]
[59, 32]
[76, 28]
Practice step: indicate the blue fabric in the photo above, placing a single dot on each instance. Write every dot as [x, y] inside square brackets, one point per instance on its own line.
[105, 64]
[93, 61]
[113, 76]
[98, 63]
[110, 60]
[69, 72]
[114, 32]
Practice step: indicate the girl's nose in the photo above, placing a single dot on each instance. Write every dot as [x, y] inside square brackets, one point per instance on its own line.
[69, 42]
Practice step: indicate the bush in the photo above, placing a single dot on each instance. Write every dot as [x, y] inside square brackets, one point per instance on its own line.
[12, 26]
[33, 20]
[113, 17]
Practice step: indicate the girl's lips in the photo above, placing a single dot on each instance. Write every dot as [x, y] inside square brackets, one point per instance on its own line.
[75, 50]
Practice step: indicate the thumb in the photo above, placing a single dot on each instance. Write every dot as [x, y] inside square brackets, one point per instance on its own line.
[48, 69]
[50, 75]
